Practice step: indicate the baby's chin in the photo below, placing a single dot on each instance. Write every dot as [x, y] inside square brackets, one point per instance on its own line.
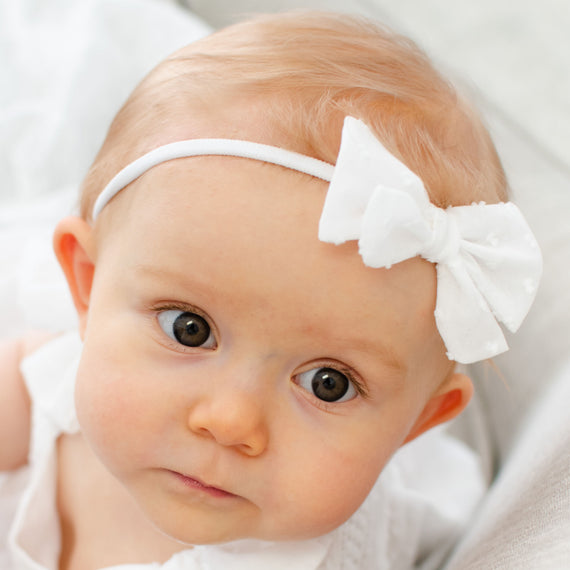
[205, 536]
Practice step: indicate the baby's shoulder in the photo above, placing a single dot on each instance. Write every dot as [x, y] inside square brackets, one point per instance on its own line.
[14, 398]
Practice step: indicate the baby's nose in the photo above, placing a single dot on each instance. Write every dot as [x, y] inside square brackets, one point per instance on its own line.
[235, 419]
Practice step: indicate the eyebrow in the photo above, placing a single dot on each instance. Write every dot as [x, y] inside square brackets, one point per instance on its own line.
[390, 359]
[384, 352]
[167, 275]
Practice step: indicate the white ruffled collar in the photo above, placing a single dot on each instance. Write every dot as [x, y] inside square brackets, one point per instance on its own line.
[245, 555]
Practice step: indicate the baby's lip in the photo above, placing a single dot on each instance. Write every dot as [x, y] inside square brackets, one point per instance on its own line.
[197, 483]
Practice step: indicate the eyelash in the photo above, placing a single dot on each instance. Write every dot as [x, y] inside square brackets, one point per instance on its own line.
[183, 307]
[158, 309]
[347, 371]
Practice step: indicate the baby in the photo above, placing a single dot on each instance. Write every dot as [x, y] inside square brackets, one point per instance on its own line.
[261, 330]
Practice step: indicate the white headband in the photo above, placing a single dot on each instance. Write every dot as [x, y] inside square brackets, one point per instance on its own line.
[488, 261]
[211, 147]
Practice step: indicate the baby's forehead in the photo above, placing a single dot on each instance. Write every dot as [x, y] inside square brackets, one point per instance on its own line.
[224, 232]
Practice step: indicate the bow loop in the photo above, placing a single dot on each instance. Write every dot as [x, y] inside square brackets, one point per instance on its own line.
[488, 262]
[393, 228]
[502, 257]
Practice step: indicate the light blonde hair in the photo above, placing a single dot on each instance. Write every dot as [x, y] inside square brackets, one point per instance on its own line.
[309, 70]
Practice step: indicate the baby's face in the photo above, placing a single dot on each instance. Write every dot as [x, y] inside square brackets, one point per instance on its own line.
[239, 377]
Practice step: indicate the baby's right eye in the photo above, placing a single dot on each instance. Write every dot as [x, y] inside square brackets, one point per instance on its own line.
[187, 328]
[328, 384]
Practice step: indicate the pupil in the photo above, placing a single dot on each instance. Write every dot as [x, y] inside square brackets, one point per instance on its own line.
[191, 329]
[329, 384]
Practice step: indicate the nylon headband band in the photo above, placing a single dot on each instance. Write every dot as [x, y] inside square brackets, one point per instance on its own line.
[211, 147]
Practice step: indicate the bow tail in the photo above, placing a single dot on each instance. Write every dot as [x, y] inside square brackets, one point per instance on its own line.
[502, 258]
[464, 319]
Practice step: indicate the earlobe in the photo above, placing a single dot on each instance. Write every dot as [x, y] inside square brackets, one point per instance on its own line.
[73, 246]
[448, 401]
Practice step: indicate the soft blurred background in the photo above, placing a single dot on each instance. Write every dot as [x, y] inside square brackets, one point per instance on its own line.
[516, 53]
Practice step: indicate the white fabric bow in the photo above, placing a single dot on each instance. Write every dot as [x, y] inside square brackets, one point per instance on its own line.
[488, 262]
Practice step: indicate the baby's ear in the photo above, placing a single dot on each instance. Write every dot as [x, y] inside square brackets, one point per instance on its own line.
[74, 247]
[448, 401]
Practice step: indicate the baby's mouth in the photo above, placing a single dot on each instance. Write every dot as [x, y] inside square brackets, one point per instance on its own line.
[195, 483]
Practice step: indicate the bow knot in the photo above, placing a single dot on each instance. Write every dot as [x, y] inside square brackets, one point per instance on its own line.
[445, 242]
[488, 262]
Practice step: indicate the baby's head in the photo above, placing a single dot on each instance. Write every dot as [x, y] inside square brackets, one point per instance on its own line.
[240, 376]
[290, 80]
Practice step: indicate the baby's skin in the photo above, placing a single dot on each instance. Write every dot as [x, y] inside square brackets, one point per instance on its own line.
[239, 377]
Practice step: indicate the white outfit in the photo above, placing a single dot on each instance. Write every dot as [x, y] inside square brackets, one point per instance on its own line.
[411, 518]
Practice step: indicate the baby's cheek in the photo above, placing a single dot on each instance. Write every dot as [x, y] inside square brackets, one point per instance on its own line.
[103, 415]
[342, 495]
[326, 491]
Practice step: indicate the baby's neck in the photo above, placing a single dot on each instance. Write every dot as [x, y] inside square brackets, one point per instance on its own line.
[100, 523]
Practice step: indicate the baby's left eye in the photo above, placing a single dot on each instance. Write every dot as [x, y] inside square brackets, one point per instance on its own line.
[187, 328]
[327, 384]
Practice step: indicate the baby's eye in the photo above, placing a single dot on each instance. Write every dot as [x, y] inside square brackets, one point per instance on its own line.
[327, 384]
[187, 328]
